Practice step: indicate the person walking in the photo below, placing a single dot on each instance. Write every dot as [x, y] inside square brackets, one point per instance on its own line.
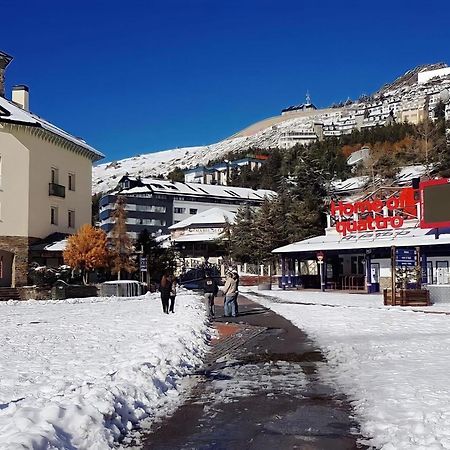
[210, 289]
[236, 294]
[165, 287]
[173, 293]
[229, 291]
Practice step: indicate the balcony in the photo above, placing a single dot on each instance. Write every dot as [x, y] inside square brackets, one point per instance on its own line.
[56, 190]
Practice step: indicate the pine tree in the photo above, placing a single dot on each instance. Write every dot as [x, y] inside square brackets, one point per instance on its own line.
[240, 235]
[159, 259]
[87, 250]
[122, 247]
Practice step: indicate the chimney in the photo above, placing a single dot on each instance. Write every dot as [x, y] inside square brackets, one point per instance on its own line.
[21, 96]
[4, 62]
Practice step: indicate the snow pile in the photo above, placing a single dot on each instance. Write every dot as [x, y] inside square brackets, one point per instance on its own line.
[81, 373]
[393, 364]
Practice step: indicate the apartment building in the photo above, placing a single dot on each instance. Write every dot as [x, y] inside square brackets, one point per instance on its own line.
[45, 182]
[220, 173]
[155, 204]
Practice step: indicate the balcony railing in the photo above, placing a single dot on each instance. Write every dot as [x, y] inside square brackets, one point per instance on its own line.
[57, 190]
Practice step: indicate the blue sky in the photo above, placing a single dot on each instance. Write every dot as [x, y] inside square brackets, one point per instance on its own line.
[133, 77]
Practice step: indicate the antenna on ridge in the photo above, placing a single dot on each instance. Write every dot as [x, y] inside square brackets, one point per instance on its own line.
[308, 98]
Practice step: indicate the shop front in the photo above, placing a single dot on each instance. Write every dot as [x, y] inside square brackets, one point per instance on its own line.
[381, 242]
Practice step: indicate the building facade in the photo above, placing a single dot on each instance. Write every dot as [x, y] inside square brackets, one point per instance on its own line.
[155, 204]
[45, 184]
[220, 173]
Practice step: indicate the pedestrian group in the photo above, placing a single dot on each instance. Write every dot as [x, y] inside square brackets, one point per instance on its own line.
[168, 290]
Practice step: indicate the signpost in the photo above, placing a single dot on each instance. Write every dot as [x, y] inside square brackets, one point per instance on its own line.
[406, 257]
[320, 257]
[143, 268]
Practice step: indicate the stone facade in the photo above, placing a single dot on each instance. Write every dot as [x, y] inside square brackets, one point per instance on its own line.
[19, 246]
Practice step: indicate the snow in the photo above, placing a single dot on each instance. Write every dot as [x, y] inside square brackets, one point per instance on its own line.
[15, 114]
[392, 363]
[216, 216]
[266, 134]
[81, 373]
[401, 237]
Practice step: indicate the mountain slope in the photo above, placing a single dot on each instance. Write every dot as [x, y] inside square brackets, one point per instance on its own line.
[266, 133]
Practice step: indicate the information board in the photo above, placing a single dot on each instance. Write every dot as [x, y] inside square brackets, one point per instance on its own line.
[435, 200]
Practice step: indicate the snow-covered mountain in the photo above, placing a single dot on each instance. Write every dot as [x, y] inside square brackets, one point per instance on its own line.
[407, 93]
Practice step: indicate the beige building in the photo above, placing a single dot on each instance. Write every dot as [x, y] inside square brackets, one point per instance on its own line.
[45, 182]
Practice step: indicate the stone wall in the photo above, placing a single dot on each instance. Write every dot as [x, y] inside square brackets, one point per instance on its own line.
[35, 293]
[19, 246]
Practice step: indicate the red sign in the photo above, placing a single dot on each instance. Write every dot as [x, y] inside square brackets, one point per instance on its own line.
[373, 212]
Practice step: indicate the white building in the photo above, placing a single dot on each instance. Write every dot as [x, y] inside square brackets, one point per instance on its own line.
[46, 182]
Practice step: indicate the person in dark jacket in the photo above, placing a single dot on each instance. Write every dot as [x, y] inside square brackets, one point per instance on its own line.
[165, 287]
[210, 289]
[173, 293]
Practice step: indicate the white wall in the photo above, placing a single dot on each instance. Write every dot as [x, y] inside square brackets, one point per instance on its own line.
[423, 77]
[43, 156]
[14, 201]
[200, 206]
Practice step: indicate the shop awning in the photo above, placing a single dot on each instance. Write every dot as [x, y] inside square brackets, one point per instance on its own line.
[403, 237]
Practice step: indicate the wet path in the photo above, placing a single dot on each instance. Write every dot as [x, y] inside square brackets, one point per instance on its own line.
[259, 390]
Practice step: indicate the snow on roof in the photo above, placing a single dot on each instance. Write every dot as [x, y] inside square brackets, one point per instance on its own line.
[9, 112]
[59, 246]
[407, 173]
[164, 240]
[351, 184]
[136, 190]
[213, 216]
[195, 189]
[403, 237]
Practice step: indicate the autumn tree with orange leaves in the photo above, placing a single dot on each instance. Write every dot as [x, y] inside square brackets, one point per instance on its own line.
[122, 248]
[87, 250]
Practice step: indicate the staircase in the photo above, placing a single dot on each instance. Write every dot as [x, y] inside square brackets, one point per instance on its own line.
[7, 293]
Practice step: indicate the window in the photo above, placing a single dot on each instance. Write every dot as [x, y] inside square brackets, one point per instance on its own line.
[71, 182]
[54, 215]
[54, 175]
[179, 210]
[193, 211]
[71, 219]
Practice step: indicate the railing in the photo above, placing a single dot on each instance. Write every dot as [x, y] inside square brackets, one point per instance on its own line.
[56, 190]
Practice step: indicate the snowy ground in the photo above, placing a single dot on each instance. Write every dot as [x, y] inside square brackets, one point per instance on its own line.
[393, 363]
[80, 373]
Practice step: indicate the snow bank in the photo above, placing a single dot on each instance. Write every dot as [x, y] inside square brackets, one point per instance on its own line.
[80, 373]
[393, 364]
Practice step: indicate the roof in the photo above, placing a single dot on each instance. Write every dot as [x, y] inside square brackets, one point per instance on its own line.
[213, 216]
[55, 242]
[406, 174]
[349, 185]
[200, 190]
[10, 113]
[402, 237]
